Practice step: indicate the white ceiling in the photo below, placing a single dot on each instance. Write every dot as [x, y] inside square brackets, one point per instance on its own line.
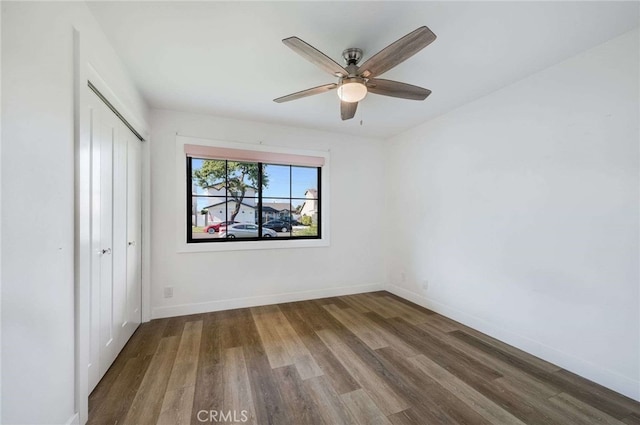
[227, 59]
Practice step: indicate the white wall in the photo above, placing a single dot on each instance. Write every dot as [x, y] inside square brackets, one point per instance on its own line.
[38, 152]
[1, 212]
[524, 212]
[216, 280]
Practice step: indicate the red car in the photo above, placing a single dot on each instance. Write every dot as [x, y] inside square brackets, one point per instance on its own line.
[215, 227]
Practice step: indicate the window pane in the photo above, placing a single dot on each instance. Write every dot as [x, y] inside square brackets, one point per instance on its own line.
[242, 180]
[208, 177]
[276, 181]
[203, 218]
[306, 218]
[276, 216]
[239, 214]
[275, 209]
[308, 210]
[304, 182]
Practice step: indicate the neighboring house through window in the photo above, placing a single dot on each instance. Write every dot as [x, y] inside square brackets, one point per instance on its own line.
[310, 206]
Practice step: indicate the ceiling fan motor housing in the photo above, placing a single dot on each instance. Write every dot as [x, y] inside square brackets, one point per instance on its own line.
[352, 55]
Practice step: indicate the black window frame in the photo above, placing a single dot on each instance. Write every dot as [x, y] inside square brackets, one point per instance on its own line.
[291, 198]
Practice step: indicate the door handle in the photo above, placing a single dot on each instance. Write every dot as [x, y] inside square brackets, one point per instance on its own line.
[106, 251]
[132, 243]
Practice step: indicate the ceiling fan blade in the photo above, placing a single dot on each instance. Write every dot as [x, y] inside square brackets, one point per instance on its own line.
[315, 56]
[397, 89]
[397, 52]
[305, 93]
[348, 110]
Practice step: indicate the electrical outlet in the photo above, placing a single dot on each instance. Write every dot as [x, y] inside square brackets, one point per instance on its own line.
[403, 277]
[425, 285]
[168, 291]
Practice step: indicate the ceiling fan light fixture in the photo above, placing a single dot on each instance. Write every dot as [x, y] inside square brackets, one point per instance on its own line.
[352, 90]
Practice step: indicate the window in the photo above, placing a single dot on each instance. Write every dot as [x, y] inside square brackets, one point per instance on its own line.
[237, 195]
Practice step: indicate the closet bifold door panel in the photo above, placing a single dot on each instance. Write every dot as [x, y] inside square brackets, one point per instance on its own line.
[134, 232]
[115, 235]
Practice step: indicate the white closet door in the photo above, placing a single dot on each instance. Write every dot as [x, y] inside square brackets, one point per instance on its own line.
[115, 316]
[134, 232]
[101, 140]
[115, 288]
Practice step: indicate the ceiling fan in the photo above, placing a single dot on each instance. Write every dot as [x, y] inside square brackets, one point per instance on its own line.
[356, 81]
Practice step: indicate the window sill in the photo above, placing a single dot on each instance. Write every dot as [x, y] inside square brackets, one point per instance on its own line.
[251, 245]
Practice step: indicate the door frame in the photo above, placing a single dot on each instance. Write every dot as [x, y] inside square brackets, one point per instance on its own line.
[85, 69]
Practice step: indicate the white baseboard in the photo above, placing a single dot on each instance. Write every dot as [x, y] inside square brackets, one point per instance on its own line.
[605, 377]
[218, 305]
[74, 420]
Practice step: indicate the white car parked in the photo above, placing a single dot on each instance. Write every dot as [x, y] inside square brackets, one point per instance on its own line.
[246, 230]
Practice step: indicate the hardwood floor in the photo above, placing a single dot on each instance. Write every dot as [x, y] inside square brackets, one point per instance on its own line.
[360, 359]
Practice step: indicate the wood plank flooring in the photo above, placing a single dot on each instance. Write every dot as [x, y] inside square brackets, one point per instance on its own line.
[355, 360]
